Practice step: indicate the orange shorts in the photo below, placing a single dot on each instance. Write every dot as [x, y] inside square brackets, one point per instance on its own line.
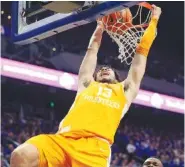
[55, 150]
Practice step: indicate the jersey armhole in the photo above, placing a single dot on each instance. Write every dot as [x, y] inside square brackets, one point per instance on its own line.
[123, 91]
[79, 93]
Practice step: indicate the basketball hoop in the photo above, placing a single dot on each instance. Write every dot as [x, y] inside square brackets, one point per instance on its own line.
[128, 35]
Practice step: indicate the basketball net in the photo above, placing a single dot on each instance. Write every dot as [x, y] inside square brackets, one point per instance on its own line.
[128, 38]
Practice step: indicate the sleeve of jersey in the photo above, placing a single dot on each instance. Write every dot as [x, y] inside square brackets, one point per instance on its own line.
[148, 38]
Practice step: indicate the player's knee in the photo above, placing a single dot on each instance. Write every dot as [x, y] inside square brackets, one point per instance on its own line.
[15, 157]
[25, 155]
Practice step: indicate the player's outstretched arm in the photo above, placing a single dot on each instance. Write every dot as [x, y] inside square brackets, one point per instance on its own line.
[137, 69]
[89, 62]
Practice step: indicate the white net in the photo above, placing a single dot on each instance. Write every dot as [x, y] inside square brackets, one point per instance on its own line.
[128, 37]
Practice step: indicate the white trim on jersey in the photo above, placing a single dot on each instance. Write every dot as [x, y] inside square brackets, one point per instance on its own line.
[109, 159]
[124, 111]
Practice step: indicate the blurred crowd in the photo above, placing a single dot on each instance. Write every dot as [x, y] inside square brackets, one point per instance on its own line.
[16, 130]
[133, 143]
[140, 143]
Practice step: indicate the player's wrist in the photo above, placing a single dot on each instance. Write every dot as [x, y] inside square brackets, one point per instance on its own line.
[97, 35]
[155, 18]
[100, 28]
[148, 38]
[142, 51]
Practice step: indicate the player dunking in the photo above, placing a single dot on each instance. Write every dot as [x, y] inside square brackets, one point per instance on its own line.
[87, 132]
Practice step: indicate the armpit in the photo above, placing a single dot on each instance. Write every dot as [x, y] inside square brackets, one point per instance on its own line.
[126, 86]
[86, 83]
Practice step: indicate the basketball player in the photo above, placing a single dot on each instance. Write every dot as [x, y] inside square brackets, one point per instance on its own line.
[87, 132]
[152, 162]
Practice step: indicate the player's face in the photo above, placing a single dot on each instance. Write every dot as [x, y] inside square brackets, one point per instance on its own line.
[105, 75]
[152, 162]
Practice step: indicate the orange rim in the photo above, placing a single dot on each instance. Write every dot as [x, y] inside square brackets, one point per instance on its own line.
[144, 25]
[146, 5]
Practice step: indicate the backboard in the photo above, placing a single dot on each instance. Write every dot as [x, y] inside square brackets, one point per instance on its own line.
[35, 20]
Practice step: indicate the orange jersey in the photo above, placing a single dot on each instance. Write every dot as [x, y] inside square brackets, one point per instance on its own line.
[96, 111]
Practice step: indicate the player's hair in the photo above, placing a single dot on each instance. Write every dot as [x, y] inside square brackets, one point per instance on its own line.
[117, 76]
[155, 158]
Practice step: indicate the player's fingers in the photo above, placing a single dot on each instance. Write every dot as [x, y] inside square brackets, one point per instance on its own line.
[153, 6]
[99, 19]
[99, 22]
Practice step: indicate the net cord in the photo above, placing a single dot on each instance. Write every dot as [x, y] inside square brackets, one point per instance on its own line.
[130, 37]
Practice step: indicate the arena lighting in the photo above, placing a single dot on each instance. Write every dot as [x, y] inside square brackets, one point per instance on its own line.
[60, 79]
[54, 49]
[9, 17]
[2, 12]
[52, 104]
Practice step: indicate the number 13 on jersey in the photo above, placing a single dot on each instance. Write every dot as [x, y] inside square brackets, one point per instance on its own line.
[105, 92]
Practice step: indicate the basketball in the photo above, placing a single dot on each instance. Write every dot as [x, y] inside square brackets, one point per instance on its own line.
[118, 21]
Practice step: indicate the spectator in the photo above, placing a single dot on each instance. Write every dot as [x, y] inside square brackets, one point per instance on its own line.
[131, 148]
[137, 141]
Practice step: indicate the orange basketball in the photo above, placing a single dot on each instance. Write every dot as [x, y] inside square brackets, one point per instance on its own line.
[118, 21]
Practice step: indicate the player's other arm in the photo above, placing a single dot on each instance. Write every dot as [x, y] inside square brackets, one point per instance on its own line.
[137, 69]
[89, 62]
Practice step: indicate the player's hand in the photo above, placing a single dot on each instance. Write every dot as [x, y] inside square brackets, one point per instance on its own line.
[100, 24]
[156, 12]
